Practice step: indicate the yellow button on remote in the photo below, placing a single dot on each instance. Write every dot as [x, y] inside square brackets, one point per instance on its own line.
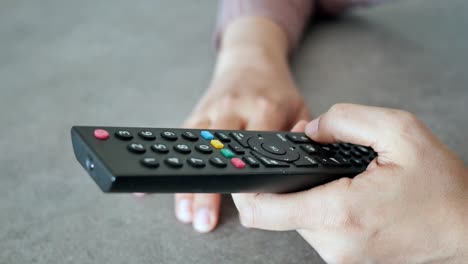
[217, 144]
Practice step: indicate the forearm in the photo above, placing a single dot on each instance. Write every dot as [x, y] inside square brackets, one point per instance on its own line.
[291, 16]
[254, 39]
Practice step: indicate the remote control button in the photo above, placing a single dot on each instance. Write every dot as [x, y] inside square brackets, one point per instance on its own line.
[189, 136]
[147, 135]
[306, 161]
[270, 163]
[238, 163]
[123, 135]
[356, 162]
[298, 138]
[205, 149]
[309, 149]
[274, 149]
[326, 149]
[216, 144]
[150, 162]
[236, 149]
[345, 153]
[345, 162]
[101, 134]
[218, 162]
[356, 153]
[196, 163]
[182, 148]
[173, 162]
[256, 142]
[362, 149]
[160, 148]
[335, 146]
[169, 135]
[345, 146]
[240, 138]
[227, 153]
[333, 162]
[207, 135]
[223, 137]
[136, 148]
[251, 161]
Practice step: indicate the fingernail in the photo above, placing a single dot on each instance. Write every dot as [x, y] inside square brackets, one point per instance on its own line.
[138, 194]
[312, 127]
[184, 210]
[202, 221]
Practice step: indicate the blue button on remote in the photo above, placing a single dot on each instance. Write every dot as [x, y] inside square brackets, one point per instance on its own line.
[207, 135]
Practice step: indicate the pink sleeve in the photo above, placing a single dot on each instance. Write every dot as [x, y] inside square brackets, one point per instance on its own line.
[291, 15]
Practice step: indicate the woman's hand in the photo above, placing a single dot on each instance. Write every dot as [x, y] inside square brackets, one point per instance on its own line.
[252, 89]
[409, 206]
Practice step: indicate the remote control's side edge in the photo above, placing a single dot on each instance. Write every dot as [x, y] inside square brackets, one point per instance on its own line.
[92, 164]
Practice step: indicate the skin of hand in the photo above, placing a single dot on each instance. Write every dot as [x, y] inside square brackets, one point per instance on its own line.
[252, 88]
[409, 206]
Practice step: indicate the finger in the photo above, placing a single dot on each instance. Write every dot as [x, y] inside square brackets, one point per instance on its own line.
[184, 201]
[197, 122]
[206, 211]
[206, 207]
[304, 114]
[363, 125]
[229, 121]
[281, 212]
[300, 126]
[266, 117]
[183, 208]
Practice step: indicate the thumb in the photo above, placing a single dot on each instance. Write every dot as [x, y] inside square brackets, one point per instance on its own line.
[379, 128]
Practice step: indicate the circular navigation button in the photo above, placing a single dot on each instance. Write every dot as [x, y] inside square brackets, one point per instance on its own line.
[274, 149]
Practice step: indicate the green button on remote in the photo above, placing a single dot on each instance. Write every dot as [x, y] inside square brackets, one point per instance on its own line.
[227, 153]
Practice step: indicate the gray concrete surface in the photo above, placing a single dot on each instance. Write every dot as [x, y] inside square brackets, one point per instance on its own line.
[145, 63]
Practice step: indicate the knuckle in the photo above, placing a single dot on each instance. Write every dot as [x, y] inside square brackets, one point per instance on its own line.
[229, 100]
[407, 123]
[267, 105]
[339, 109]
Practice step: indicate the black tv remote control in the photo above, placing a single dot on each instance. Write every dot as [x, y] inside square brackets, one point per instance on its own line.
[131, 159]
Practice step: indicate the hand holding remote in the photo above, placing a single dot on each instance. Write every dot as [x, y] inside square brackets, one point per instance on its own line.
[409, 206]
[251, 89]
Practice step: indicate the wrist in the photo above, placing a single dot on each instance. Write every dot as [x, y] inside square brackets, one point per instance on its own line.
[254, 39]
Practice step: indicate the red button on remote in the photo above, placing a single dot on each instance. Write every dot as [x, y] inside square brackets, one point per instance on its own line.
[238, 163]
[101, 134]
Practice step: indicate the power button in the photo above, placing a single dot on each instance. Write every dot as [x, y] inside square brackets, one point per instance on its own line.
[101, 134]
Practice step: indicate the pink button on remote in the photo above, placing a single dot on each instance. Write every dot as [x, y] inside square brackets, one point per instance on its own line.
[238, 163]
[101, 134]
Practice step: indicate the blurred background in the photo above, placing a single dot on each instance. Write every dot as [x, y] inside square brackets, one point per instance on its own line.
[145, 63]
